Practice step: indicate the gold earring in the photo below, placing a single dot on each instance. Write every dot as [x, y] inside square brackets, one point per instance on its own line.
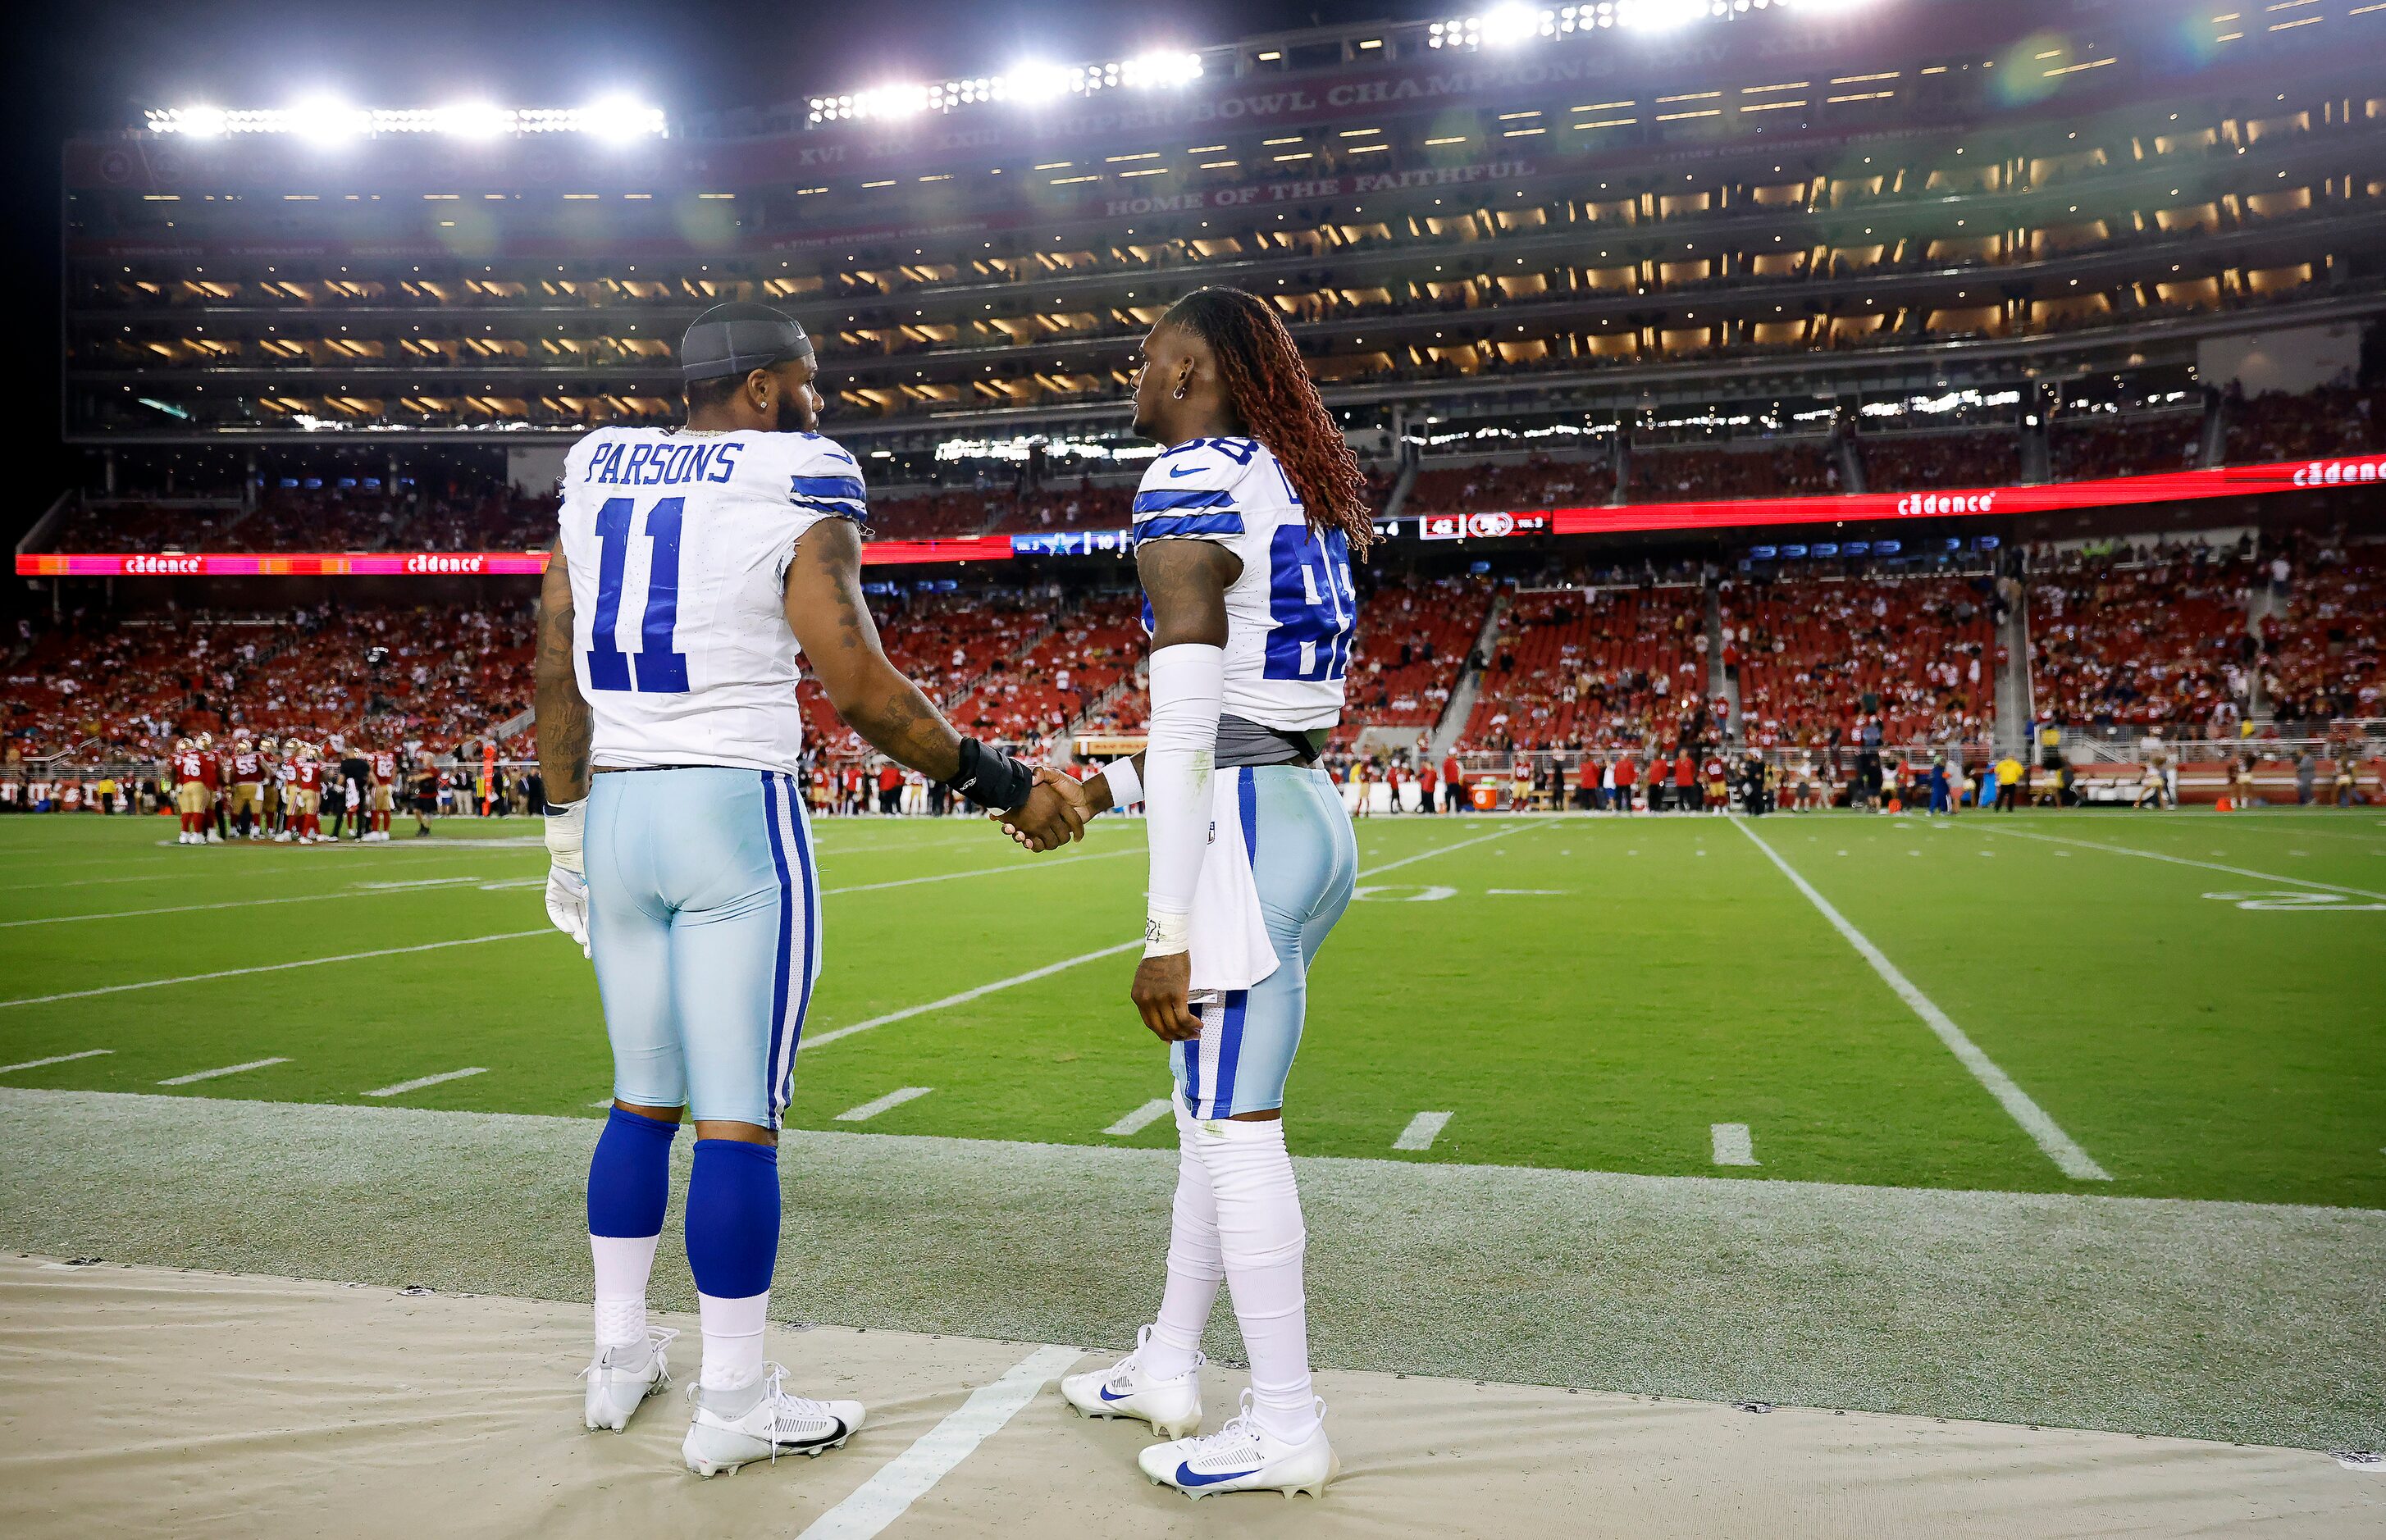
[1179, 391]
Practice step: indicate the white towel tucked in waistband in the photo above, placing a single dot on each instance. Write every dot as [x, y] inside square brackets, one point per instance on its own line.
[1229, 937]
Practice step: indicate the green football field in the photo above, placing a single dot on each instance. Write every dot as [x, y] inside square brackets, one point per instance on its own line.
[2191, 1005]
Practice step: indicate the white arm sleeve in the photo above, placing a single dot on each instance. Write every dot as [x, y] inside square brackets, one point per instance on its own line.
[1188, 689]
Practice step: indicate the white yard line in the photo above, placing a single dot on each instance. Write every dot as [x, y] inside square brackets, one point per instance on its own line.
[1140, 1119]
[1422, 1129]
[1732, 1145]
[228, 1069]
[902, 1481]
[405, 1086]
[1031, 864]
[1428, 855]
[54, 1058]
[2060, 1147]
[887, 1103]
[276, 968]
[2182, 861]
[967, 994]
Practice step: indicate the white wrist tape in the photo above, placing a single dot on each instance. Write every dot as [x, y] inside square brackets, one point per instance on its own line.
[1188, 690]
[564, 821]
[1126, 787]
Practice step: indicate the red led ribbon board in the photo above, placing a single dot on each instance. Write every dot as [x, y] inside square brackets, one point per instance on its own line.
[418, 564]
[2176, 486]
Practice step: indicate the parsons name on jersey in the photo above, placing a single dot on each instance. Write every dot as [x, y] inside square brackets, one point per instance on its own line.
[678, 546]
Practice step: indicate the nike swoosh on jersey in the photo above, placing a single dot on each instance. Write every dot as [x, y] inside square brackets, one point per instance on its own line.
[1186, 1476]
[1175, 472]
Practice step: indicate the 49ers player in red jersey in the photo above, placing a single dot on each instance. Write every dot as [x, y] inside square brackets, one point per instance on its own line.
[384, 795]
[247, 787]
[190, 790]
[304, 798]
[211, 774]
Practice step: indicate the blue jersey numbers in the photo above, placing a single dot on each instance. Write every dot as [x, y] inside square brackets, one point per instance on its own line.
[1311, 601]
[659, 669]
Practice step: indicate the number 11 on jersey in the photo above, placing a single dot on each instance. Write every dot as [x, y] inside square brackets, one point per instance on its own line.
[659, 670]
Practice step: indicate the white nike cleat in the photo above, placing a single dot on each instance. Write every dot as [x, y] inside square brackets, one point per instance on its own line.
[776, 1424]
[622, 1376]
[1242, 1458]
[214, 838]
[1172, 1407]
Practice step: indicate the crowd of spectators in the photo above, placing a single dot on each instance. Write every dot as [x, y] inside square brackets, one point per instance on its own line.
[432, 675]
[2092, 448]
[1662, 474]
[1415, 637]
[1602, 667]
[2131, 639]
[459, 514]
[1864, 661]
[2325, 661]
[1537, 481]
[1926, 462]
[2334, 420]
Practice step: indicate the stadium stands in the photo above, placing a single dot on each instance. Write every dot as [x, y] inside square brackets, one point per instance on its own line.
[1666, 473]
[2090, 448]
[458, 516]
[1414, 636]
[1924, 462]
[2326, 661]
[1598, 669]
[2124, 643]
[2333, 420]
[1538, 481]
[1819, 662]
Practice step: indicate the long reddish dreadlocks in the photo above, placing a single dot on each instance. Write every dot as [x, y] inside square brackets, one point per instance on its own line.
[1269, 388]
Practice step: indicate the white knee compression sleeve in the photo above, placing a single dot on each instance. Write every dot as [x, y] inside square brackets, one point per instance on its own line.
[1260, 1240]
[1195, 1267]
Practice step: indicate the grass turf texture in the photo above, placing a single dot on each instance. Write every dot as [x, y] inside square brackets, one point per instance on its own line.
[1583, 994]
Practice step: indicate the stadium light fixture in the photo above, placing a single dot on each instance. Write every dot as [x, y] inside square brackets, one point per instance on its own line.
[328, 121]
[1029, 83]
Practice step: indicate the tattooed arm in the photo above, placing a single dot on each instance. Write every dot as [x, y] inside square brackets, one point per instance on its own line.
[560, 709]
[840, 641]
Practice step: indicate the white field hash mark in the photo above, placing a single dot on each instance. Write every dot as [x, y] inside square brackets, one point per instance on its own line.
[228, 1069]
[1422, 1129]
[1140, 1119]
[902, 1481]
[1732, 1145]
[405, 1086]
[54, 1058]
[2059, 1146]
[892, 1099]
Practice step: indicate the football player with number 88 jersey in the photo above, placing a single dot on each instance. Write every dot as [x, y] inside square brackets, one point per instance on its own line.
[693, 568]
[1244, 528]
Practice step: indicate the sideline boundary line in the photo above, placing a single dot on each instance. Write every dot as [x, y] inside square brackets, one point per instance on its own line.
[275, 967]
[2185, 860]
[896, 1486]
[2059, 1146]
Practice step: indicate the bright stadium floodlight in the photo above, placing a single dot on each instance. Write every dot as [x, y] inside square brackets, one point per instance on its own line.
[326, 121]
[1504, 26]
[618, 119]
[199, 122]
[1033, 82]
[473, 121]
[1162, 69]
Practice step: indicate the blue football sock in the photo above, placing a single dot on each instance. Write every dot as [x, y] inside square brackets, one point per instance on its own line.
[733, 1218]
[629, 1177]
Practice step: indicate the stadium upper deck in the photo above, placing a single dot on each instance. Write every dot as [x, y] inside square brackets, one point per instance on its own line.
[1770, 201]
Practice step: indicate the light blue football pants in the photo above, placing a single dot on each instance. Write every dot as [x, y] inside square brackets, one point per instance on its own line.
[1305, 860]
[704, 922]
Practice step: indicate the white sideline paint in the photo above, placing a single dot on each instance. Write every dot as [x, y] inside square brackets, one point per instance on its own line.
[280, 967]
[2060, 1147]
[55, 1059]
[902, 1481]
[405, 1086]
[1422, 1129]
[892, 1099]
[1140, 1119]
[2182, 861]
[1732, 1145]
[966, 995]
[227, 1070]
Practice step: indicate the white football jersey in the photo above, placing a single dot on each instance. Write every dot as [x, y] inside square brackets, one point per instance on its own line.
[1291, 615]
[678, 546]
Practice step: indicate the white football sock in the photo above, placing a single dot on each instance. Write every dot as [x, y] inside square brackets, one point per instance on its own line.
[622, 1264]
[1195, 1266]
[733, 1340]
[1261, 1239]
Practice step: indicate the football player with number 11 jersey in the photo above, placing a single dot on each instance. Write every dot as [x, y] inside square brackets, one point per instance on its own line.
[692, 567]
